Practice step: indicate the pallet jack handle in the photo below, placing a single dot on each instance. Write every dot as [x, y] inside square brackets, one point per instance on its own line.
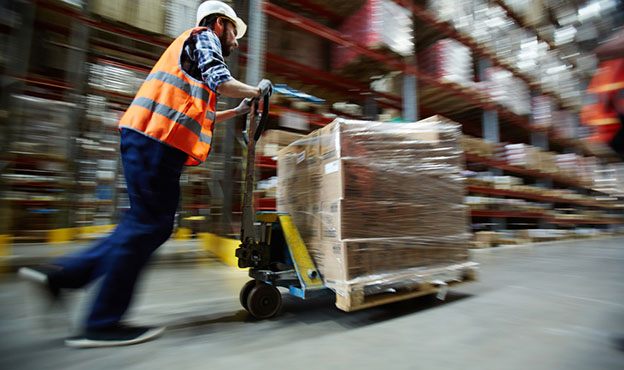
[257, 125]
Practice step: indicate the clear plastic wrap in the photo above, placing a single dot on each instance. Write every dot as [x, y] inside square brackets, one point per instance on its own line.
[377, 203]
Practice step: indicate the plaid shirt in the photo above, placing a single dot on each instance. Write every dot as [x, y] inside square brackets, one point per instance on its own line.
[203, 60]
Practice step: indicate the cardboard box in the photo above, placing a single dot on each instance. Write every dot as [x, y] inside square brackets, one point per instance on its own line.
[145, 14]
[272, 141]
[488, 238]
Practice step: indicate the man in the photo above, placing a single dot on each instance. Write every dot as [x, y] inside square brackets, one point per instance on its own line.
[604, 107]
[169, 124]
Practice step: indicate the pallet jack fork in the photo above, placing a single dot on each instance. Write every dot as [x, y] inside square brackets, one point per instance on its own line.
[271, 246]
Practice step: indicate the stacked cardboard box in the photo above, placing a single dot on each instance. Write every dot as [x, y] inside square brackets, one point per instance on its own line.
[568, 164]
[145, 14]
[478, 146]
[542, 111]
[272, 141]
[371, 199]
[300, 46]
[515, 154]
[508, 90]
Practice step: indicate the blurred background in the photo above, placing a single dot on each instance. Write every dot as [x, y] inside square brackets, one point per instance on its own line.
[513, 73]
[518, 76]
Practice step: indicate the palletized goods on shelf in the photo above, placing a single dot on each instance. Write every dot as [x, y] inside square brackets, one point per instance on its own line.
[576, 168]
[450, 60]
[379, 24]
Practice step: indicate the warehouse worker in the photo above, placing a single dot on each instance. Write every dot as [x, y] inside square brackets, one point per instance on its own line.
[604, 109]
[169, 124]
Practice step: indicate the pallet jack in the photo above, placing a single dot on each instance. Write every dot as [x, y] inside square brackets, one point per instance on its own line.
[271, 246]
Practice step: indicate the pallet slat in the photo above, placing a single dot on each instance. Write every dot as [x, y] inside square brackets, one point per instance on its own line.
[424, 283]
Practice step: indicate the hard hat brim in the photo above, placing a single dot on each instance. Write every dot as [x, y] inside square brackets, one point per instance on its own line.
[241, 28]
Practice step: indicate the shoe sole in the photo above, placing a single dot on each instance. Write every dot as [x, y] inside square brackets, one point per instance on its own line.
[90, 343]
[32, 275]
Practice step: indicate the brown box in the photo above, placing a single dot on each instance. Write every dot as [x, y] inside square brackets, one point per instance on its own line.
[272, 141]
[489, 238]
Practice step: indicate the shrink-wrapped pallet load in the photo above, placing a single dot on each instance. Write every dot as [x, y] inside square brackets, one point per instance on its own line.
[376, 203]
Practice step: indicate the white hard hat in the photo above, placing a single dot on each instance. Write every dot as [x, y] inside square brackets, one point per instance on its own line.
[216, 7]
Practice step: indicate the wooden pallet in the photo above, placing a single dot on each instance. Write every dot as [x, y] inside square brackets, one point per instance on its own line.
[405, 286]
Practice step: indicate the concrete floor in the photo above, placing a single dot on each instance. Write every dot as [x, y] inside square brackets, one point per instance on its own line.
[548, 306]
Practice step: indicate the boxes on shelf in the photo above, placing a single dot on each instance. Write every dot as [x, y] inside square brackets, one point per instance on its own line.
[542, 111]
[515, 154]
[587, 168]
[180, 16]
[272, 141]
[345, 183]
[115, 79]
[506, 182]
[486, 239]
[541, 234]
[145, 14]
[150, 16]
[377, 24]
[509, 91]
[448, 59]
[564, 123]
[568, 164]
[533, 158]
[548, 162]
[478, 146]
[44, 127]
[297, 45]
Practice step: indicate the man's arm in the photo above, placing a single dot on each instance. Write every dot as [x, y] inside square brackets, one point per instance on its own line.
[612, 49]
[236, 89]
[243, 108]
[225, 115]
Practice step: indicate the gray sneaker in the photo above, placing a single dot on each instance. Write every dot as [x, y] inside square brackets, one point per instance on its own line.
[117, 335]
[41, 276]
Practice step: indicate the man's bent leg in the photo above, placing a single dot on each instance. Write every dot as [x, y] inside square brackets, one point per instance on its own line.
[152, 172]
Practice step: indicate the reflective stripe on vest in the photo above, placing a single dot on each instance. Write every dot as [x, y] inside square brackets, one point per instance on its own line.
[173, 107]
[173, 115]
[192, 90]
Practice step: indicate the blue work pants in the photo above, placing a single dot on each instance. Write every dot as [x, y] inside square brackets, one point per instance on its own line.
[152, 171]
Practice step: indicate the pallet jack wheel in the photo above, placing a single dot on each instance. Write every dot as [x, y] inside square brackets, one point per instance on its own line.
[244, 293]
[264, 301]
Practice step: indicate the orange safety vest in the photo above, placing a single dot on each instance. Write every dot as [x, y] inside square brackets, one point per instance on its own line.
[173, 107]
[604, 100]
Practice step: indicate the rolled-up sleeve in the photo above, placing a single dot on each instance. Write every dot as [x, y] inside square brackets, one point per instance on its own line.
[210, 61]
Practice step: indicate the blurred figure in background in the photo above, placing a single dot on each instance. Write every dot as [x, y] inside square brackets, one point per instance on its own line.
[604, 109]
[608, 85]
[168, 125]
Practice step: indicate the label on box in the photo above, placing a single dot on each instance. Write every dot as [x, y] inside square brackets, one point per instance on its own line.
[301, 157]
[332, 167]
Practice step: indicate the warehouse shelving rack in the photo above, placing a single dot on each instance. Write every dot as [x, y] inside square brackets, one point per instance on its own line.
[443, 91]
[429, 95]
